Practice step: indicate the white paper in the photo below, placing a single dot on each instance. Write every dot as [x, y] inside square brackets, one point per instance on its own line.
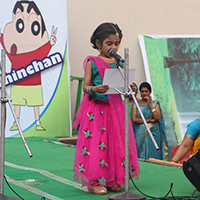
[114, 79]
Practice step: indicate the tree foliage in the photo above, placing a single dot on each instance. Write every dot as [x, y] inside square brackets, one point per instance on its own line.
[185, 76]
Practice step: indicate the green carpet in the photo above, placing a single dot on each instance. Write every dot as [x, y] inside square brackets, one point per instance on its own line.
[49, 173]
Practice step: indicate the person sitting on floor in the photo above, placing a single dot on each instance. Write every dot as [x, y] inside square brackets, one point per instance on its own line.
[191, 141]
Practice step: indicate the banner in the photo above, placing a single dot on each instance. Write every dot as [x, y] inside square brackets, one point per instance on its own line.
[172, 67]
[34, 36]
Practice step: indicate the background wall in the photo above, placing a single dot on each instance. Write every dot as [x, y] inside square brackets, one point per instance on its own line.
[134, 17]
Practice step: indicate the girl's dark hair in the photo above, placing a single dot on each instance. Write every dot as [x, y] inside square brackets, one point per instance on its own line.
[103, 31]
[146, 85]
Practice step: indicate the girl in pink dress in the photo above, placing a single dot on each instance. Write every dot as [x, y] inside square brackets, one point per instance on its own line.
[100, 150]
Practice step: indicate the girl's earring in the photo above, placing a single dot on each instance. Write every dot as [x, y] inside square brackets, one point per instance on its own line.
[99, 50]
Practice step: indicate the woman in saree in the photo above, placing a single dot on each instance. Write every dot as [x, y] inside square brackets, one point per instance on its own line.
[153, 115]
[191, 141]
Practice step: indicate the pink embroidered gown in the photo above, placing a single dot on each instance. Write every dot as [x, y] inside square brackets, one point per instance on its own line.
[100, 148]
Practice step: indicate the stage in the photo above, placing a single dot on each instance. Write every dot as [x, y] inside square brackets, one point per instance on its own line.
[49, 173]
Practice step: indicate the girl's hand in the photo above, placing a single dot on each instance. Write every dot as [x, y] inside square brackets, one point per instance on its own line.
[148, 99]
[100, 88]
[147, 120]
[152, 120]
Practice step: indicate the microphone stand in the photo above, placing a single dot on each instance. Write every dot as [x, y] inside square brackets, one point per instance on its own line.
[4, 99]
[127, 195]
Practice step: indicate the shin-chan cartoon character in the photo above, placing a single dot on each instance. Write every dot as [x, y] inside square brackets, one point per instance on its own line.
[25, 39]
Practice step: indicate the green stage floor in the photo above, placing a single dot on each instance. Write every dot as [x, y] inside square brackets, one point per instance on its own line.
[49, 173]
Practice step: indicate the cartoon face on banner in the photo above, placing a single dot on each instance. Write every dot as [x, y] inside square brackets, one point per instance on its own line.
[27, 27]
[34, 38]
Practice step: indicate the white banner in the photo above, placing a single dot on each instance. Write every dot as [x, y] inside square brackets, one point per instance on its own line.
[34, 35]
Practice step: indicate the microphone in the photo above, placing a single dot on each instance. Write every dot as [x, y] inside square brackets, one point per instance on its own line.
[113, 53]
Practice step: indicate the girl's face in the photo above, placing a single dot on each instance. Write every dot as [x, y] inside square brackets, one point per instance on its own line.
[144, 92]
[110, 42]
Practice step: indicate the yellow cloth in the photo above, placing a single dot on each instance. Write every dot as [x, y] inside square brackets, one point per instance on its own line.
[195, 146]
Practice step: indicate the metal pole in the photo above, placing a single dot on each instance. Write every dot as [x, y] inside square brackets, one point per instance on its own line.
[126, 83]
[19, 127]
[126, 195]
[3, 123]
[3, 107]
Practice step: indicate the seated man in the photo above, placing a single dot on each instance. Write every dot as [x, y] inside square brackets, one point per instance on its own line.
[191, 139]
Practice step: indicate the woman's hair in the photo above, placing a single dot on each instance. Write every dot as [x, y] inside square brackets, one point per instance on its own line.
[103, 31]
[146, 85]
